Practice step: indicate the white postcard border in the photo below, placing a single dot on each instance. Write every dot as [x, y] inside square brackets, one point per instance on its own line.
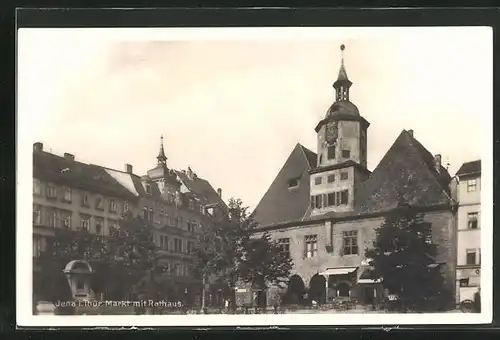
[24, 228]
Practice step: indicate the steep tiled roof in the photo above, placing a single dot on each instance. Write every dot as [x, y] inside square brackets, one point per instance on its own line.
[53, 168]
[202, 188]
[310, 156]
[130, 181]
[405, 174]
[470, 168]
[198, 186]
[282, 203]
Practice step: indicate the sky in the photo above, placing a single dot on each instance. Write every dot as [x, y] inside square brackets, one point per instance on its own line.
[233, 103]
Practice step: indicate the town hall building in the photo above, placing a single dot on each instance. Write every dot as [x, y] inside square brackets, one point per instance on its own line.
[323, 207]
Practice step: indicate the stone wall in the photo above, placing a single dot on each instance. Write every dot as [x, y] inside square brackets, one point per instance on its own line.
[443, 224]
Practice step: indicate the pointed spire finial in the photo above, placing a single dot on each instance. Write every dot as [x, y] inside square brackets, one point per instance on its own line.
[162, 159]
[342, 83]
[342, 48]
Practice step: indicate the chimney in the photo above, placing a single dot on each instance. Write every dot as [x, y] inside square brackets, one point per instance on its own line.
[411, 133]
[38, 146]
[219, 192]
[437, 162]
[69, 156]
[128, 168]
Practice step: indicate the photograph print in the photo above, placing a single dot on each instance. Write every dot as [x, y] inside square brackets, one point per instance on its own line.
[254, 176]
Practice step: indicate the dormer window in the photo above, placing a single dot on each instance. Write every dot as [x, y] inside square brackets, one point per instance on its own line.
[293, 183]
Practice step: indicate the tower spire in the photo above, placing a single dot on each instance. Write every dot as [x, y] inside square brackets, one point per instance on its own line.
[342, 84]
[162, 159]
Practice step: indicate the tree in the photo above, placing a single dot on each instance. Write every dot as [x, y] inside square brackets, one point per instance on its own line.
[134, 255]
[219, 252]
[264, 264]
[404, 257]
[121, 261]
[49, 282]
[229, 252]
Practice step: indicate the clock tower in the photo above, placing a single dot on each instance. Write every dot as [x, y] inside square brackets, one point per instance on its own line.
[342, 152]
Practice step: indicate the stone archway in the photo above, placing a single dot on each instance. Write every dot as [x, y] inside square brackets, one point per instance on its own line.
[295, 291]
[317, 289]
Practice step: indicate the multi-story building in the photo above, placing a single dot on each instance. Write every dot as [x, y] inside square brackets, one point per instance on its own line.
[178, 206]
[71, 195]
[324, 207]
[468, 227]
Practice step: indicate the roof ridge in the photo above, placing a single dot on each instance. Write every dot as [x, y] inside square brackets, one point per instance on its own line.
[303, 148]
[474, 161]
[107, 168]
[419, 155]
[277, 176]
[433, 170]
[63, 158]
[304, 151]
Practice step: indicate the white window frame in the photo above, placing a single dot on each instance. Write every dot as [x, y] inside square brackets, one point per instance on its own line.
[470, 220]
[51, 190]
[37, 187]
[85, 223]
[311, 246]
[472, 185]
[66, 220]
[350, 241]
[67, 194]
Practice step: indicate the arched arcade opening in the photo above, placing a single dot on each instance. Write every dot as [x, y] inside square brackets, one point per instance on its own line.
[317, 289]
[295, 291]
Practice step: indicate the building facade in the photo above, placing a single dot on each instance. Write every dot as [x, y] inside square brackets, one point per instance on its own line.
[177, 205]
[324, 206]
[468, 228]
[75, 196]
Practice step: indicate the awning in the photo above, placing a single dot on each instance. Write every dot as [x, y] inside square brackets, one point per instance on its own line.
[338, 271]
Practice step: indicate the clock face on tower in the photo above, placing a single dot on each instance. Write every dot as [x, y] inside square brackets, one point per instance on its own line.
[331, 133]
